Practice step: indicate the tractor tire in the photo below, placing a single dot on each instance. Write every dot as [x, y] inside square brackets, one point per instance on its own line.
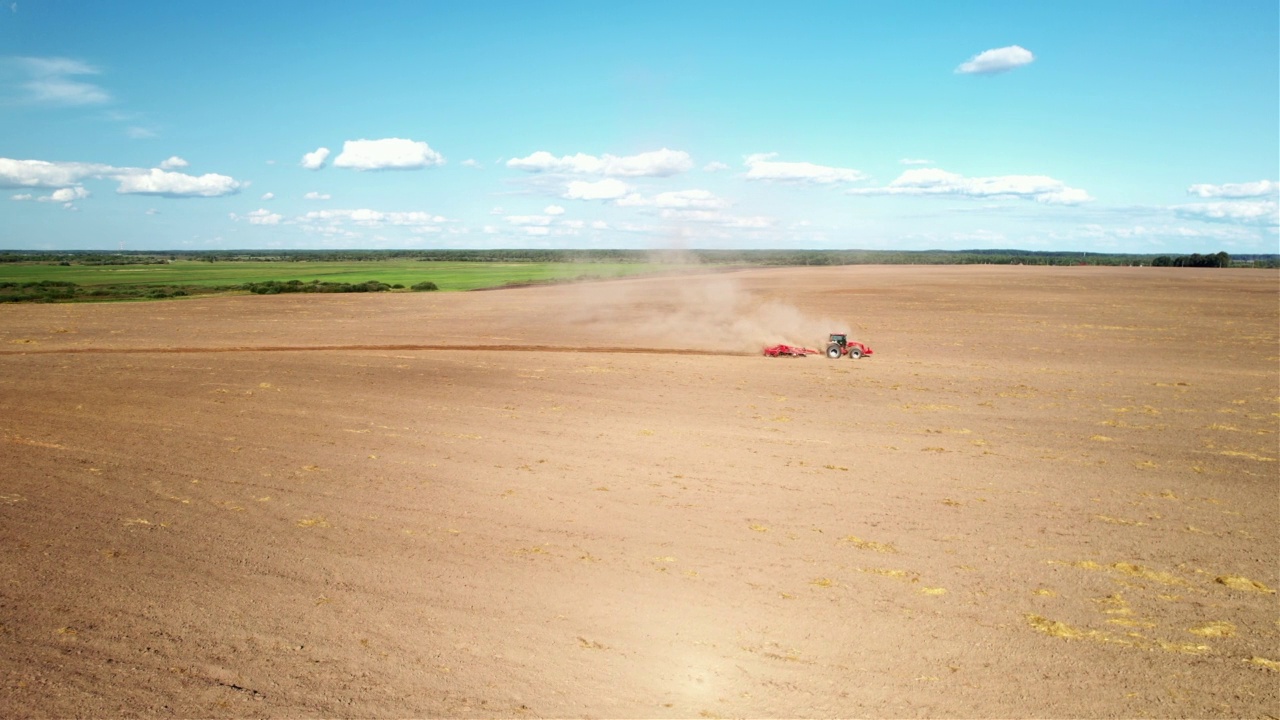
[833, 351]
[855, 353]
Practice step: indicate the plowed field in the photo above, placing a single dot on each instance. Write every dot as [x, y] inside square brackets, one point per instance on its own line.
[1050, 492]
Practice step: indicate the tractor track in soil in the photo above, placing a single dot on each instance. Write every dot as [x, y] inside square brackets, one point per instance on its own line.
[338, 348]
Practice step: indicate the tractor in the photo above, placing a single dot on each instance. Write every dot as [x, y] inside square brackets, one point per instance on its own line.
[839, 344]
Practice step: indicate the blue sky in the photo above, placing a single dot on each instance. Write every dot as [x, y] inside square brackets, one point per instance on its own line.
[1130, 126]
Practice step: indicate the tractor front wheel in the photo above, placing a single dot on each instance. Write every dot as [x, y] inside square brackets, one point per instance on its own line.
[854, 352]
[833, 351]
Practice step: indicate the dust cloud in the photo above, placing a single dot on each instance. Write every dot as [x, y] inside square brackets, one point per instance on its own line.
[704, 311]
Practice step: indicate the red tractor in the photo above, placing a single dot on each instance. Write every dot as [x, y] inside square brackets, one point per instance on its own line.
[840, 344]
[837, 345]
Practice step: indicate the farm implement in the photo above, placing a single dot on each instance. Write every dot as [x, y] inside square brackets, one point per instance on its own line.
[788, 351]
[837, 345]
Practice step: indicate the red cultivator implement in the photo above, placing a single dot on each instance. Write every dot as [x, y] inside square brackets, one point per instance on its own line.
[789, 351]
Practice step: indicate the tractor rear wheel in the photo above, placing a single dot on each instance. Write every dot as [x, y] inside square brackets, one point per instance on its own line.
[854, 352]
[833, 351]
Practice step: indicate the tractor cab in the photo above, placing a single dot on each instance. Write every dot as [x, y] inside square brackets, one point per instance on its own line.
[839, 339]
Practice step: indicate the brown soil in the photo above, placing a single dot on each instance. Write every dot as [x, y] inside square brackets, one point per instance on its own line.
[1050, 492]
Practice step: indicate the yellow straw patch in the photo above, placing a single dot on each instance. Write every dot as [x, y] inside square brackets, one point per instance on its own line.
[1219, 628]
[861, 544]
[1247, 455]
[1117, 521]
[1237, 582]
[901, 574]
[1184, 648]
[1147, 573]
[1054, 628]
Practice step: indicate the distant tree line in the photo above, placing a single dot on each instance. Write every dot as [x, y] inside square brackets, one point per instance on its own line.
[88, 258]
[1218, 260]
[46, 291]
[276, 287]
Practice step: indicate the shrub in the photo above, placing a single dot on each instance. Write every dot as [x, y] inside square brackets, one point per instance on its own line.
[424, 286]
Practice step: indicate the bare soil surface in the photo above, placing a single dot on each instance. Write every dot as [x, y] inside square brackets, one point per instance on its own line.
[1050, 492]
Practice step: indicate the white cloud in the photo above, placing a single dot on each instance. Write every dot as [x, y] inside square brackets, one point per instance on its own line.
[268, 196]
[152, 211]
[997, 60]
[762, 166]
[51, 82]
[140, 133]
[553, 210]
[1065, 196]
[703, 199]
[1236, 190]
[543, 161]
[658, 163]
[529, 219]
[371, 218]
[133, 181]
[260, 216]
[755, 222]
[65, 195]
[40, 173]
[1155, 236]
[915, 161]
[316, 196]
[176, 185]
[1261, 212]
[387, 154]
[716, 217]
[931, 181]
[715, 166]
[21, 196]
[607, 189]
[471, 163]
[174, 162]
[315, 160]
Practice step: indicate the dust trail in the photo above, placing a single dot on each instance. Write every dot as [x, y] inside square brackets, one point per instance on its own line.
[704, 311]
[333, 348]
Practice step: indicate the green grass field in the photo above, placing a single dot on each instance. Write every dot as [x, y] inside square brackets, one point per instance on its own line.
[446, 275]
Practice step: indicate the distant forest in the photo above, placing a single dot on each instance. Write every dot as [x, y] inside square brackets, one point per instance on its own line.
[710, 257]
